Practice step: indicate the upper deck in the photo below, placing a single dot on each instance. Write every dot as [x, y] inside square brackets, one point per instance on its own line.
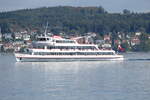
[58, 41]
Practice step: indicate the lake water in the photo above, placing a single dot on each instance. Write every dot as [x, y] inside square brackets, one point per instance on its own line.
[98, 80]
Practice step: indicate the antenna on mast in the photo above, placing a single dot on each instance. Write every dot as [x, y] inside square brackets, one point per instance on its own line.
[46, 29]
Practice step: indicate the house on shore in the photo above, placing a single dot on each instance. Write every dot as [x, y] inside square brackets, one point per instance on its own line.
[135, 41]
[18, 36]
[8, 36]
[0, 37]
[26, 37]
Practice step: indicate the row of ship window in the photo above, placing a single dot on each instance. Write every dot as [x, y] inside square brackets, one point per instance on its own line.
[57, 41]
[64, 41]
[73, 53]
[43, 39]
[66, 47]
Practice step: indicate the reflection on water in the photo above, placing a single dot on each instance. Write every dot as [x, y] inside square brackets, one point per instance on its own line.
[70, 66]
[94, 80]
[64, 65]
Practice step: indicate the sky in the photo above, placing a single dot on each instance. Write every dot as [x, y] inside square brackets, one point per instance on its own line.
[113, 6]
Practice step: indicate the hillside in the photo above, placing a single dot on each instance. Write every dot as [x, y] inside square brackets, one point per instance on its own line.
[73, 20]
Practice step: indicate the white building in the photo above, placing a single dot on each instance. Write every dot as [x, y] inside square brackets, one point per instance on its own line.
[18, 36]
[8, 36]
[26, 37]
[138, 33]
[0, 35]
[92, 34]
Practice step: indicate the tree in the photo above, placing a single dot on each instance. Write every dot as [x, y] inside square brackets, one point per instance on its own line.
[126, 11]
[145, 42]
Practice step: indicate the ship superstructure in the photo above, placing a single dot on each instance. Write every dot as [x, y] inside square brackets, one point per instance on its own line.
[55, 48]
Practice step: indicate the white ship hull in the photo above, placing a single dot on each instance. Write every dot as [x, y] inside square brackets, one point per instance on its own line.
[57, 58]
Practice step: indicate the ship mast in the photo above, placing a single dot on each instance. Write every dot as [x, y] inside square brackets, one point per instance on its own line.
[46, 29]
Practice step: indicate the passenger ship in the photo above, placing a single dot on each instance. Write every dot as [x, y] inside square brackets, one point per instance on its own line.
[55, 48]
